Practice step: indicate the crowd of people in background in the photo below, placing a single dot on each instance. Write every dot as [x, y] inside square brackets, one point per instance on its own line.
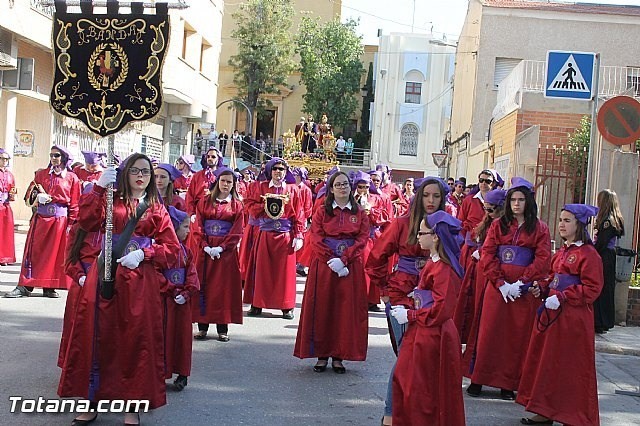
[451, 263]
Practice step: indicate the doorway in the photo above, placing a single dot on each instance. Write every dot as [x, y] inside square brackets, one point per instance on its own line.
[266, 124]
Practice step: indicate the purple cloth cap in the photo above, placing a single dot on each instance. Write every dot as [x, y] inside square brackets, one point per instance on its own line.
[288, 177]
[459, 182]
[301, 172]
[447, 228]
[173, 172]
[3, 151]
[203, 160]
[177, 216]
[91, 158]
[220, 170]
[361, 176]
[518, 182]
[582, 212]
[67, 158]
[421, 181]
[496, 197]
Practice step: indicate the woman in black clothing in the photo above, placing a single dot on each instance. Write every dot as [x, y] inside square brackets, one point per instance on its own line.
[609, 227]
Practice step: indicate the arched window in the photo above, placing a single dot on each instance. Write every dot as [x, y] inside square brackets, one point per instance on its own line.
[409, 140]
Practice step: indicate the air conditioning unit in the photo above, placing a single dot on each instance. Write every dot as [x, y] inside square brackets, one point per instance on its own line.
[21, 77]
[8, 51]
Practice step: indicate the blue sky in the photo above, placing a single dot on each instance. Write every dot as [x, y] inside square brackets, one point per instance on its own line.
[440, 16]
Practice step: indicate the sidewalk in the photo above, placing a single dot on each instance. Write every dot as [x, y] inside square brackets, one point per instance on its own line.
[619, 341]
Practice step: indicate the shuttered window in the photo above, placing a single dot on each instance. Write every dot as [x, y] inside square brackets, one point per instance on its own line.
[502, 69]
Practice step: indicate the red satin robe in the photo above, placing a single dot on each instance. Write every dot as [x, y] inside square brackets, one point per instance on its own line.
[380, 216]
[220, 298]
[7, 194]
[271, 269]
[470, 214]
[453, 205]
[182, 183]
[427, 380]
[86, 176]
[248, 234]
[177, 325]
[176, 201]
[306, 200]
[307, 251]
[44, 250]
[330, 300]
[126, 330]
[494, 357]
[198, 188]
[559, 381]
[470, 296]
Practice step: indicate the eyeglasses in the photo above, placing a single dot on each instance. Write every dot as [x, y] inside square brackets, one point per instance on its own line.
[482, 180]
[281, 169]
[55, 155]
[489, 209]
[421, 233]
[341, 185]
[363, 186]
[135, 171]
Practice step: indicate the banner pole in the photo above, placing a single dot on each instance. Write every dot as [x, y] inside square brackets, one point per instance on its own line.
[108, 232]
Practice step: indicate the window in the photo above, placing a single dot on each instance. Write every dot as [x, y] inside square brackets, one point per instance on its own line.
[503, 67]
[633, 80]
[412, 93]
[409, 140]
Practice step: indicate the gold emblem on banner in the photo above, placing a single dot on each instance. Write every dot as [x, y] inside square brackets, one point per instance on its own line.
[274, 204]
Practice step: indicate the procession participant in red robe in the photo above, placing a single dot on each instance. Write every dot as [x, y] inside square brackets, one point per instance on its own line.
[116, 348]
[185, 165]
[559, 378]
[471, 214]
[202, 180]
[306, 199]
[82, 249]
[400, 240]
[334, 319]
[427, 379]
[182, 287]
[219, 220]
[455, 198]
[516, 252]
[271, 269]
[474, 280]
[44, 250]
[166, 176]
[92, 169]
[408, 192]
[389, 188]
[7, 194]
[378, 206]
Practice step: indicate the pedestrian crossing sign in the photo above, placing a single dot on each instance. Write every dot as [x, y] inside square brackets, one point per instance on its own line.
[569, 75]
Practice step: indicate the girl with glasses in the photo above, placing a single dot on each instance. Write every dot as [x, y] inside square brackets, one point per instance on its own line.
[104, 360]
[7, 195]
[427, 379]
[56, 209]
[516, 252]
[333, 321]
[399, 241]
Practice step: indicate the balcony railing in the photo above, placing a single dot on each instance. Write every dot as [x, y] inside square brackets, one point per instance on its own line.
[45, 10]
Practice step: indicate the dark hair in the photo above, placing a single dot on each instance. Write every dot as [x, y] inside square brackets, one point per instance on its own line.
[581, 231]
[530, 211]
[74, 252]
[609, 209]
[124, 190]
[483, 227]
[330, 198]
[214, 189]
[416, 209]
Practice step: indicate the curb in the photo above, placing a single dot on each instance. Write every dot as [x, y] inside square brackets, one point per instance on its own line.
[611, 348]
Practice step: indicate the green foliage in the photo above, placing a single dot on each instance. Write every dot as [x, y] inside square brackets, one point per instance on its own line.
[577, 157]
[265, 50]
[330, 68]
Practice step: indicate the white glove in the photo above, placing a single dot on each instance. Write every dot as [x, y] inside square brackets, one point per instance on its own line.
[514, 290]
[180, 300]
[505, 290]
[400, 313]
[193, 218]
[44, 198]
[335, 264]
[132, 260]
[214, 252]
[82, 280]
[108, 176]
[476, 255]
[297, 244]
[343, 272]
[552, 302]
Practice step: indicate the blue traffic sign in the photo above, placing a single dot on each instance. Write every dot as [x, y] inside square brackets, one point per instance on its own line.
[570, 75]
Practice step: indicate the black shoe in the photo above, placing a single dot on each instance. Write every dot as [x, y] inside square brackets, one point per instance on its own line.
[254, 312]
[374, 308]
[321, 365]
[288, 315]
[599, 330]
[507, 395]
[223, 337]
[337, 367]
[474, 390]
[180, 382]
[19, 291]
[77, 422]
[49, 292]
[526, 421]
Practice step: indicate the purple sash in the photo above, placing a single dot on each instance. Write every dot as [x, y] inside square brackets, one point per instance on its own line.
[134, 244]
[468, 241]
[411, 264]
[338, 246]
[275, 225]
[217, 228]
[52, 210]
[422, 298]
[372, 231]
[612, 243]
[515, 255]
[4, 196]
[85, 266]
[253, 221]
[176, 276]
[561, 282]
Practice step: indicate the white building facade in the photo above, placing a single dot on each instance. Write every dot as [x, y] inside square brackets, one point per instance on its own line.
[413, 92]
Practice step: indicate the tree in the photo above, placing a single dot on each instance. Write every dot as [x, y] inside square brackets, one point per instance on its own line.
[330, 68]
[577, 157]
[265, 50]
